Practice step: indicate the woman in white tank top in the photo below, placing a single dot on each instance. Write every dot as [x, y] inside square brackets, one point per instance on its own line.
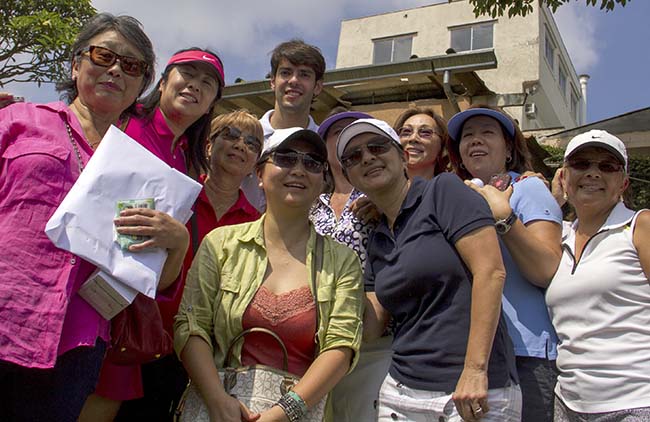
[599, 299]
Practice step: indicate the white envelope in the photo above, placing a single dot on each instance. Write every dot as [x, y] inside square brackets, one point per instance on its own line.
[120, 169]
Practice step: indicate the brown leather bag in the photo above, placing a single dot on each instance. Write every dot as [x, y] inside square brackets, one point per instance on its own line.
[137, 334]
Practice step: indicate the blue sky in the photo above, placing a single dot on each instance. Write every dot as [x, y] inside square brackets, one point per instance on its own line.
[611, 47]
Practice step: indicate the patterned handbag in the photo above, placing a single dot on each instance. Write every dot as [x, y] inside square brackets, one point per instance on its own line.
[259, 387]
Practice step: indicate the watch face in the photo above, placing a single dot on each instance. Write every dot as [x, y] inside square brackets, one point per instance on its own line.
[501, 227]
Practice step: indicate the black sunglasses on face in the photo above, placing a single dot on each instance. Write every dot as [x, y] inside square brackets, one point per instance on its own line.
[376, 147]
[102, 56]
[290, 159]
[603, 166]
[232, 134]
[423, 132]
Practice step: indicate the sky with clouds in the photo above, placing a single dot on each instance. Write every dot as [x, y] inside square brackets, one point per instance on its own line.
[610, 47]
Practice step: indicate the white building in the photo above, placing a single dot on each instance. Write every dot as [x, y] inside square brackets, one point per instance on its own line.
[534, 79]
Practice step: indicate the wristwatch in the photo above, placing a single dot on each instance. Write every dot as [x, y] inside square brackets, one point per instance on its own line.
[503, 226]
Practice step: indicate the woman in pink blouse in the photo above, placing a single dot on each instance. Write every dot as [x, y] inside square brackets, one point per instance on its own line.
[51, 341]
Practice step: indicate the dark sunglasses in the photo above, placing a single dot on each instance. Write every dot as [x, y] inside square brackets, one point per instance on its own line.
[232, 134]
[376, 147]
[102, 56]
[289, 159]
[423, 132]
[603, 166]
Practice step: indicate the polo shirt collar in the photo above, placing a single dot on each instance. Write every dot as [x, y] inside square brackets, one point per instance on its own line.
[618, 217]
[162, 129]
[242, 202]
[243, 205]
[413, 197]
[414, 194]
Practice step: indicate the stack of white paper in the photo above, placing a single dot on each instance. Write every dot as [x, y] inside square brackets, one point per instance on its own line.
[83, 223]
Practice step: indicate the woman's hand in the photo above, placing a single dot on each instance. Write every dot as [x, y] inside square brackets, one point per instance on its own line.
[557, 190]
[499, 201]
[229, 409]
[528, 173]
[471, 392]
[274, 414]
[365, 210]
[164, 231]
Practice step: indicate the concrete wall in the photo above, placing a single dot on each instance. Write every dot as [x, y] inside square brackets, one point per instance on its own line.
[555, 108]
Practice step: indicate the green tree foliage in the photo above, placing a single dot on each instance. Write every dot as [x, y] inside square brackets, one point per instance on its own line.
[639, 169]
[36, 37]
[496, 8]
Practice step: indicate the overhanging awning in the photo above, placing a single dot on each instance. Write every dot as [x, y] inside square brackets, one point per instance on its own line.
[375, 84]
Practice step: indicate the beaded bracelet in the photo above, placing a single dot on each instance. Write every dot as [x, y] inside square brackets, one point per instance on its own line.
[293, 406]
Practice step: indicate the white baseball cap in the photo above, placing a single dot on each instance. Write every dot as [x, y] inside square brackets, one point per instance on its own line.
[282, 136]
[360, 126]
[600, 139]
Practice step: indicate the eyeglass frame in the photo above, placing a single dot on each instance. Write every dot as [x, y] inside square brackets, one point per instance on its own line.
[347, 155]
[258, 142]
[419, 129]
[116, 58]
[301, 155]
[616, 166]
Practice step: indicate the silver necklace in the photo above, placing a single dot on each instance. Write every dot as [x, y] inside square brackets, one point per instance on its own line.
[76, 148]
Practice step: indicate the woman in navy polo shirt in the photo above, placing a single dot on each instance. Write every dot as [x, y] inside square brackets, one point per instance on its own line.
[433, 263]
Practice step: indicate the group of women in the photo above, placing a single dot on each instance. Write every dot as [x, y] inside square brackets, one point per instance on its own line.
[474, 299]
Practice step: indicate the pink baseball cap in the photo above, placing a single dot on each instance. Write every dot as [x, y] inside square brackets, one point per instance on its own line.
[200, 56]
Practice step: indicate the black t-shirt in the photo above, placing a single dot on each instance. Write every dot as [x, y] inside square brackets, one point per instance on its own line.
[420, 278]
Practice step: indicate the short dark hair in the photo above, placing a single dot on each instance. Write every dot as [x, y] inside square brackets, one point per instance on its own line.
[442, 160]
[516, 145]
[298, 53]
[127, 26]
[198, 132]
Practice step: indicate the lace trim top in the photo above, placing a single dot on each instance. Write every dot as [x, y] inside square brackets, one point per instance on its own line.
[290, 315]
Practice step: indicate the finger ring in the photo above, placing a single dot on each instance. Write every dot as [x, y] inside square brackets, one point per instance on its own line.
[478, 410]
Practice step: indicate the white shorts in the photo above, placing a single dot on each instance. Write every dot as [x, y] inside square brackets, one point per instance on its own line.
[398, 402]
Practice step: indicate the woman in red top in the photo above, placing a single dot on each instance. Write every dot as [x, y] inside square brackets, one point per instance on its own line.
[235, 142]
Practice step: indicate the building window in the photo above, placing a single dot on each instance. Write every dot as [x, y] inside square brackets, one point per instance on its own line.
[549, 51]
[562, 81]
[390, 50]
[574, 106]
[474, 37]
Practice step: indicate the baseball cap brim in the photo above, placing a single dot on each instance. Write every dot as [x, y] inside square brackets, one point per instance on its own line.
[364, 126]
[327, 123]
[455, 124]
[198, 56]
[303, 134]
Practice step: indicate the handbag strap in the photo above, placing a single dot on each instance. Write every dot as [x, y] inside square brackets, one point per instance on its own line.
[285, 354]
[195, 233]
[315, 273]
